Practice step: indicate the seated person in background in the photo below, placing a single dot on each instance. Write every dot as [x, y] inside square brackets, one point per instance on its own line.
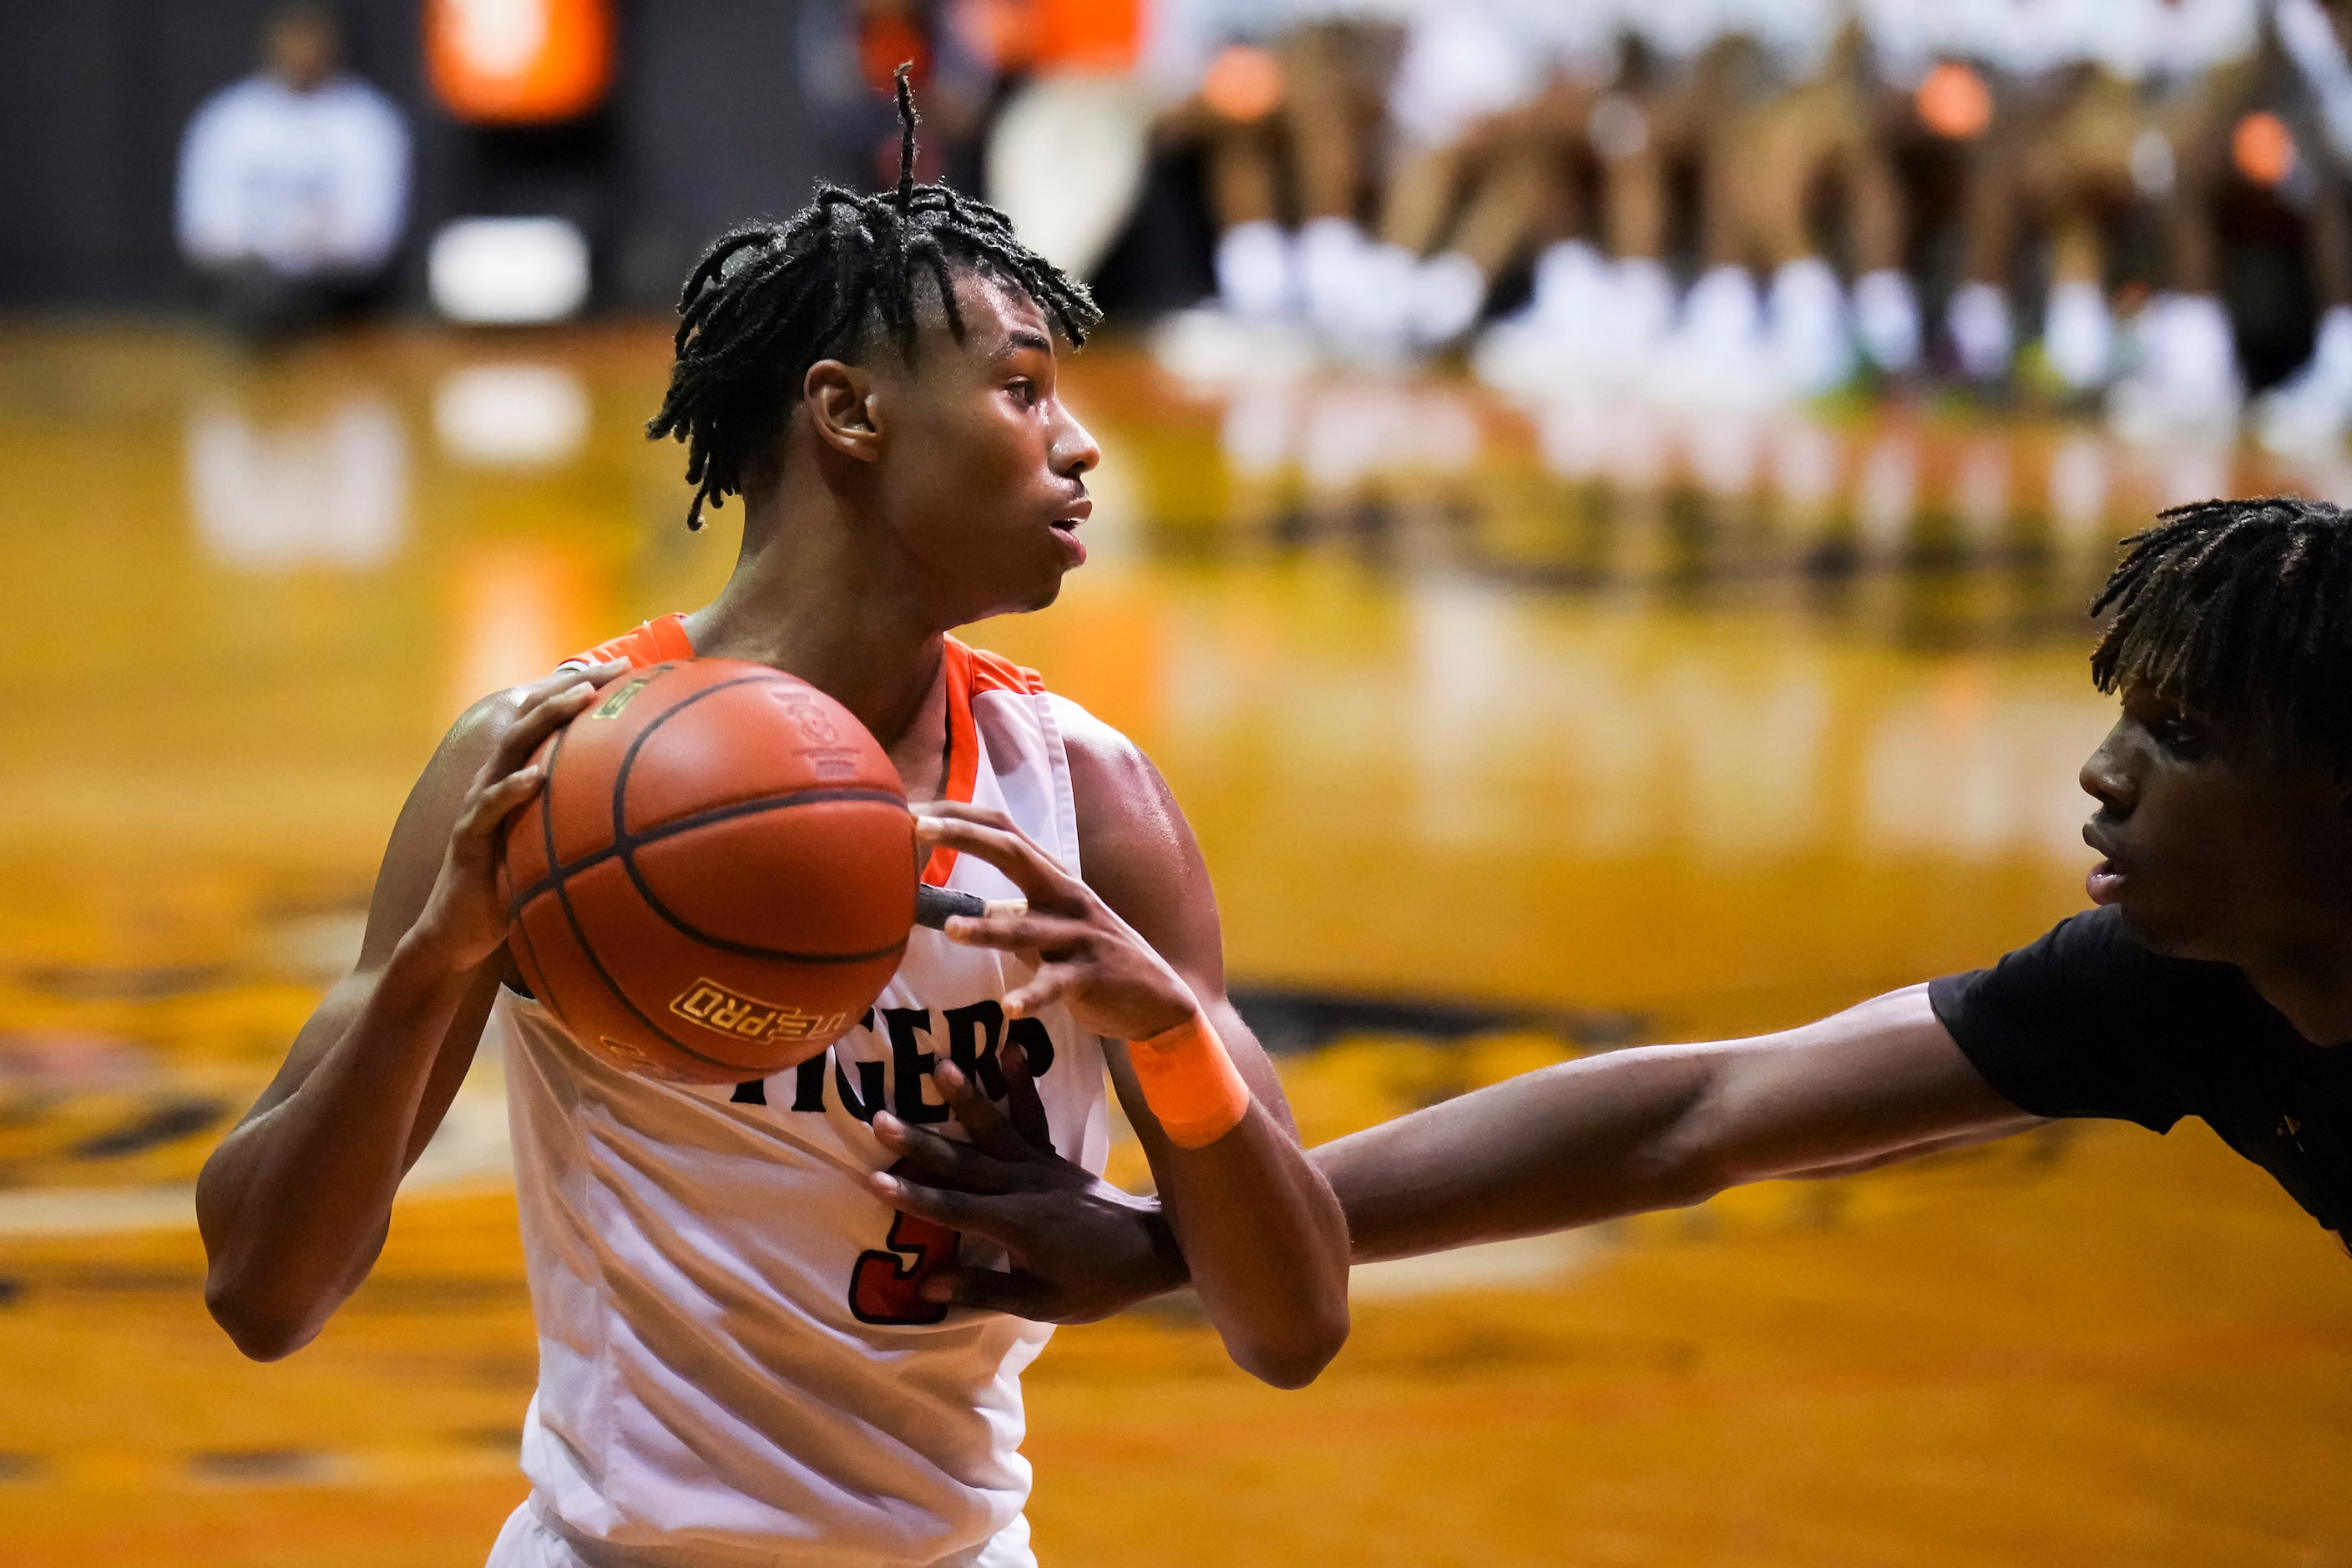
[1641, 122]
[2105, 115]
[1754, 105]
[1285, 118]
[293, 184]
[2306, 153]
[1807, 130]
[1488, 108]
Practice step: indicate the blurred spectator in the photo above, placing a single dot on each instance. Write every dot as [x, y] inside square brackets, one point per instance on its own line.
[1789, 120]
[2301, 145]
[2111, 116]
[293, 185]
[1067, 153]
[1287, 117]
[849, 50]
[1488, 104]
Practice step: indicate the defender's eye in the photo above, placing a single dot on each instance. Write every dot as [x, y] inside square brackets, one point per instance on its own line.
[2176, 733]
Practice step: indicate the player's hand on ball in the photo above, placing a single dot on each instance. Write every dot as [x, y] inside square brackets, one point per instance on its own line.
[465, 919]
[1080, 1249]
[1089, 960]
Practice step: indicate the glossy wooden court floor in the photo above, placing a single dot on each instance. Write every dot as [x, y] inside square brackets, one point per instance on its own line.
[1509, 733]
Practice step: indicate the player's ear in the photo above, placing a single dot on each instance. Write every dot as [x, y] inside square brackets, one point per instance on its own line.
[840, 404]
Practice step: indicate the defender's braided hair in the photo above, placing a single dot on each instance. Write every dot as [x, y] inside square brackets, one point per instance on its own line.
[2241, 609]
[769, 299]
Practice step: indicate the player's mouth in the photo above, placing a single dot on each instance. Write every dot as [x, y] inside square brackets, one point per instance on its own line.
[2104, 882]
[1066, 529]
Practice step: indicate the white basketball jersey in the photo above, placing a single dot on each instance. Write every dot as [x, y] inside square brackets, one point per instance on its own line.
[734, 1363]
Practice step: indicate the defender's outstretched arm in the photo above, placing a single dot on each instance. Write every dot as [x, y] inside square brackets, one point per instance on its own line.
[1664, 1127]
[1611, 1135]
[295, 1203]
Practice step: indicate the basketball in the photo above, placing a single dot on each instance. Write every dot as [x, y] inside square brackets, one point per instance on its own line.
[719, 876]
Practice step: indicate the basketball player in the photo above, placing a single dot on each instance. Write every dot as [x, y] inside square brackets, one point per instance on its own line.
[2212, 979]
[736, 1363]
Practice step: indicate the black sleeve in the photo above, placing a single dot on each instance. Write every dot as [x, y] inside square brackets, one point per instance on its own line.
[2085, 1022]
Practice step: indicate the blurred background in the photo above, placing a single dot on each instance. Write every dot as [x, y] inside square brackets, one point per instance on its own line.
[1598, 506]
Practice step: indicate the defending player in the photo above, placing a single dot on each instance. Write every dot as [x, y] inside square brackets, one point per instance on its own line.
[2214, 979]
[736, 1363]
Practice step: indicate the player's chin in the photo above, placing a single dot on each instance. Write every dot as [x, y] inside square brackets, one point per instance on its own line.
[2160, 924]
[1043, 588]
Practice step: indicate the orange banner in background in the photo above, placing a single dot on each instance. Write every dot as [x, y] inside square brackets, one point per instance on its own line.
[518, 62]
[1104, 35]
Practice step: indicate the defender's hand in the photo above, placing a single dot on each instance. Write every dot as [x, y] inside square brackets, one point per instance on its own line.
[464, 920]
[1080, 1249]
[1090, 961]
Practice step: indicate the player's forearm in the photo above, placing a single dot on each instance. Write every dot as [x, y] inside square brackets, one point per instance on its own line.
[1266, 1245]
[294, 1204]
[1566, 1146]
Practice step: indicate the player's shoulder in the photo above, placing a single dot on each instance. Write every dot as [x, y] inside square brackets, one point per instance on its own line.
[475, 732]
[1102, 759]
[1120, 802]
[1130, 829]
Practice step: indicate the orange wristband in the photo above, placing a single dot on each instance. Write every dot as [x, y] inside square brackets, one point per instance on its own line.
[1191, 1083]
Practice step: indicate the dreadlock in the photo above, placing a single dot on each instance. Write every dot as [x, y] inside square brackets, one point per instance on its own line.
[769, 299]
[2241, 609]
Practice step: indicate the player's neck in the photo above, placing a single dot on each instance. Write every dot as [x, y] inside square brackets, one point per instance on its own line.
[810, 597]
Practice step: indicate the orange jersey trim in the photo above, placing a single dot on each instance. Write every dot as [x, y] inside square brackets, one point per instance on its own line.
[968, 671]
[656, 642]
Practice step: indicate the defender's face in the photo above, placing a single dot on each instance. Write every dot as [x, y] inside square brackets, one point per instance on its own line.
[984, 479]
[2214, 848]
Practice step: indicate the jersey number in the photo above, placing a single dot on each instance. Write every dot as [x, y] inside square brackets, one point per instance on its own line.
[887, 1286]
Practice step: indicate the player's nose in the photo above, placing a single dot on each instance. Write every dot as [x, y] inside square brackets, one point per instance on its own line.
[2106, 775]
[1074, 451]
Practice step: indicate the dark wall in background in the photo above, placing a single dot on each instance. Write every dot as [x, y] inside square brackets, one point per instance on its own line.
[704, 126]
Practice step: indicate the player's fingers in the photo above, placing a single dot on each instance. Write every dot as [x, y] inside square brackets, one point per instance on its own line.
[490, 806]
[562, 683]
[539, 718]
[1020, 1099]
[990, 1290]
[1055, 936]
[1038, 875]
[941, 1162]
[1047, 986]
[991, 1134]
[979, 1214]
[980, 815]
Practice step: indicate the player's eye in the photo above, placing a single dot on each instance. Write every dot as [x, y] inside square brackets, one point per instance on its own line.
[2176, 734]
[1025, 390]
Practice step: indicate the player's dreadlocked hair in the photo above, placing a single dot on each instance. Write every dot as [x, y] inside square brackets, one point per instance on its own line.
[2241, 609]
[769, 299]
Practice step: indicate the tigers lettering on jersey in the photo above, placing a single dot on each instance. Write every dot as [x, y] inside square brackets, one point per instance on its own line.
[975, 1035]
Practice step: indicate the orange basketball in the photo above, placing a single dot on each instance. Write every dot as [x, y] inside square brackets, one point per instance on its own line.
[719, 876]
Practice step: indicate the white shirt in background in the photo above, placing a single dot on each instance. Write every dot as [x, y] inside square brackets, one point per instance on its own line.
[305, 182]
[2172, 40]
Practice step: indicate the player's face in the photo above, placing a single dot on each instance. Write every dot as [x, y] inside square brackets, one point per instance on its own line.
[2214, 846]
[984, 479]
